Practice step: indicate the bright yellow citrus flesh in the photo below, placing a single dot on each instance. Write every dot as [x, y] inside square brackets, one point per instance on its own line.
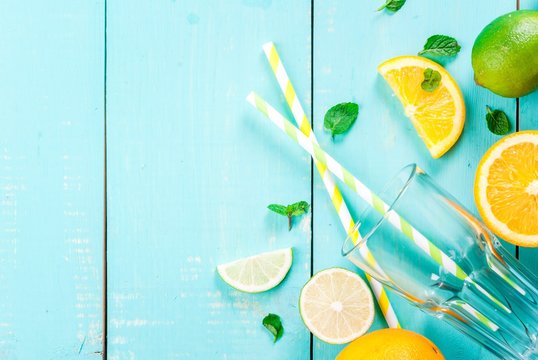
[506, 188]
[437, 116]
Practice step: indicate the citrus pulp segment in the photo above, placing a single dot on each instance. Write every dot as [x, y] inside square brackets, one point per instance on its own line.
[506, 188]
[336, 306]
[437, 116]
[257, 273]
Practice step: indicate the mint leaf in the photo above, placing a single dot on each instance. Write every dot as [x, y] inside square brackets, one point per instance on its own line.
[340, 118]
[295, 209]
[440, 45]
[432, 79]
[498, 122]
[279, 209]
[298, 208]
[392, 5]
[273, 323]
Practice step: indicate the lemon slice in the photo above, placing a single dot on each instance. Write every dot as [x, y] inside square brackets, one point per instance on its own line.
[506, 188]
[257, 273]
[336, 306]
[437, 116]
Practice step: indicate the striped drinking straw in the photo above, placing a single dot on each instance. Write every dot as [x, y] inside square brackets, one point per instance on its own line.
[332, 189]
[371, 198]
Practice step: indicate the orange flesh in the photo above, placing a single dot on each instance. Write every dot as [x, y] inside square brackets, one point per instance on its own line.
[432, 113]
[510, 193]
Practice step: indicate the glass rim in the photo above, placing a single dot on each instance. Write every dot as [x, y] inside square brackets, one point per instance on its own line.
[410, 171]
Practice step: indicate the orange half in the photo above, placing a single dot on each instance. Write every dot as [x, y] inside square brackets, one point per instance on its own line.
[506, 188]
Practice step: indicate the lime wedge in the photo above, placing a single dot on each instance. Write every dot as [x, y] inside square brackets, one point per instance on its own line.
[257, 273]
[336, 306]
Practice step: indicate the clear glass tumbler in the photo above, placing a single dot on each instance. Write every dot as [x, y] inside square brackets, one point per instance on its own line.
[448, 264]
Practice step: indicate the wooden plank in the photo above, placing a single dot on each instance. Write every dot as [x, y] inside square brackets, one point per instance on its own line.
[350, 40]
[51, 179]
[528, 120]
[191, 169]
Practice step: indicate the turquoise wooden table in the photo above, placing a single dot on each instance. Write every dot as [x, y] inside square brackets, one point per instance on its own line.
[131, 165]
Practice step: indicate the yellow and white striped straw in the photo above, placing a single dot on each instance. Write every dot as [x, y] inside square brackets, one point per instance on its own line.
[344, 175]
[332, 189]
[360, 189]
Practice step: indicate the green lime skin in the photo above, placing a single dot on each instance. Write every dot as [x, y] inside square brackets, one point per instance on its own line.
[505, 54]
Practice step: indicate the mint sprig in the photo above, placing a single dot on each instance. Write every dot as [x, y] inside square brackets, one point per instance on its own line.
[440, 45]
[273, 323]
[498, 122]
[295, 209]
[432, 79]
[392, 5]
[340, 118]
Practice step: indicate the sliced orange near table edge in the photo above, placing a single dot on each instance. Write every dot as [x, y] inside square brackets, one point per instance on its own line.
[437, 116]
[506, 188]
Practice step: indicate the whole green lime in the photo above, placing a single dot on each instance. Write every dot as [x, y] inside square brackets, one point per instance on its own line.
[505, 54]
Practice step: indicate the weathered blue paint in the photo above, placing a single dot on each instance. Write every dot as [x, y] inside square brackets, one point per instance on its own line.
[350, 40]
[51, 179]
[192, 167]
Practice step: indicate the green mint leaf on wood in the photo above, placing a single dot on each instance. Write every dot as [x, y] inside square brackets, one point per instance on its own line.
[432, 79]
[340, 118]
[498, 122]
[440, 45]
[273, 323]
[392, 5]
[279, 209]
[295, 209]
[298, 208]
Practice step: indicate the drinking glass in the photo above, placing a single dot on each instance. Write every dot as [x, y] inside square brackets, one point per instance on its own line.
[448, 264]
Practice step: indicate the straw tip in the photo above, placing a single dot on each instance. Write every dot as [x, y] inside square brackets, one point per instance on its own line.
[250, 97]
[267, 46]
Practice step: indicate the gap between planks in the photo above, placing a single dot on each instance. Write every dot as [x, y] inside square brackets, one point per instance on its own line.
[105, 192]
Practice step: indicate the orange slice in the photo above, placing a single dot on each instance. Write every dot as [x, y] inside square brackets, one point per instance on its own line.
[437, 116]
[506, 188]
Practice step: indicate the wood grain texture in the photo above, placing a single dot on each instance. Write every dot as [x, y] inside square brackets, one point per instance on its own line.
[192, 168]
[350, 41]
[51, 179]
[528, 120]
